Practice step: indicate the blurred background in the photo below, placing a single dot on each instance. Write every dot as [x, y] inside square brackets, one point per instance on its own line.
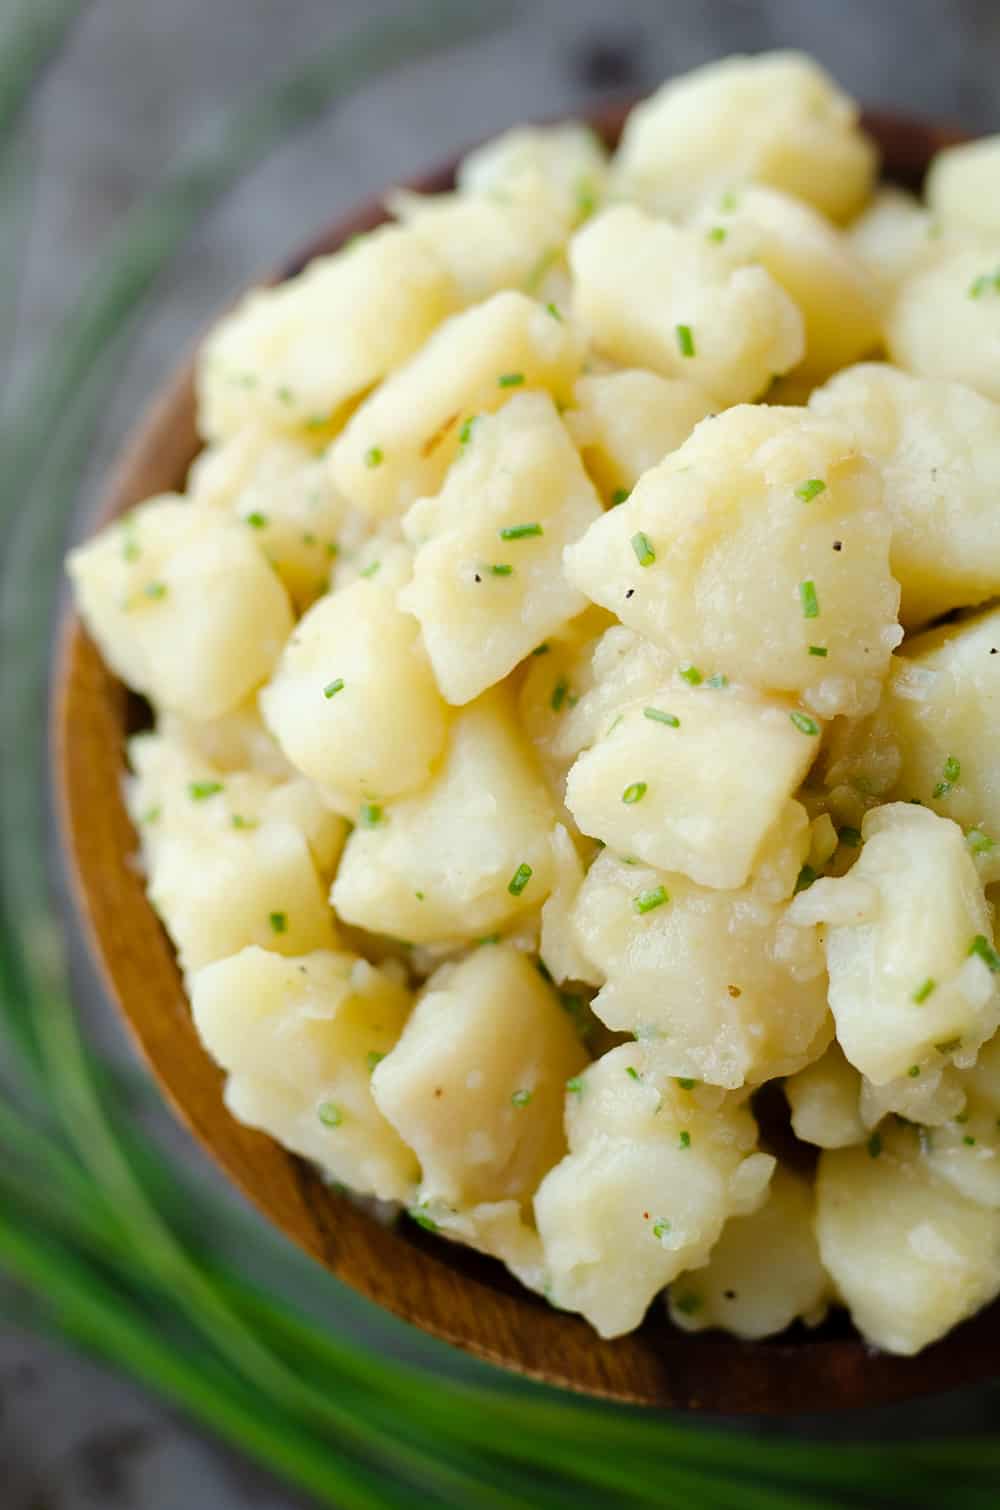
[131, 87]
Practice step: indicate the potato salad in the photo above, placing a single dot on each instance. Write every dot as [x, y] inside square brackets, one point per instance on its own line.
[574, 663]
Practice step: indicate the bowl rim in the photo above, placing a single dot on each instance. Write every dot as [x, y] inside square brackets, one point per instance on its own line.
[450, 1292]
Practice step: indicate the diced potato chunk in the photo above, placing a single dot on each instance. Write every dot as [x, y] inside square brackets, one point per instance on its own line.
[469, 853]
[560, 167]
[476, 1084]
[812, 261]
[909, 987]
[944, 712]
[500, 1229]
[298, 1038]
[653, 1172]
[661, 783]
[963, 186]
[656, 295]
[486, 245]
[945, 319]
[711, 980]
[893, 237]
[238, 741]
[625, 422]
[291, 356]
[759, 550]
[910, 1256]
[353, 702]
[824, 1098]
[559, 948]
[399, 444]
[763, 1273]
[183, 605]
[938, 446]
[775, 119]
[488, 584]
[278, 487]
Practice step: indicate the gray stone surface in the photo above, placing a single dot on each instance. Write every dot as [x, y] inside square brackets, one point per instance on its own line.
[142, 80]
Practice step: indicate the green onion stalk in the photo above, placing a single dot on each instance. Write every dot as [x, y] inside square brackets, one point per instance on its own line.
[99, 1227]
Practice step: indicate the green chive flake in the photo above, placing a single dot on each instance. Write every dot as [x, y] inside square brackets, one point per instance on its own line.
[691, 675]
[819, 650]
[332, 688]
[685, 1140]
[952, 771]
[559, 692]
[520, 879]
[371, 814]
[510, 379]
[981, 945]
[810, 489]
[642, 546]
[199, 790]
[374, 456]
[619, 496]
[520, 531]
[685, 340]
[804, 723]
[279, 922]
[634, 793]
[925, 989]
[646, 901]
[373, 1060]
[808, 599]
[657, 716]
[575, 1086]
[978, 842]
[329, 1114]
[257, 521]
[874, 1145]
[520, 1098]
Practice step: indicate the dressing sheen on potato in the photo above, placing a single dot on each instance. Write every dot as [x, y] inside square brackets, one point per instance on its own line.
[573, 671]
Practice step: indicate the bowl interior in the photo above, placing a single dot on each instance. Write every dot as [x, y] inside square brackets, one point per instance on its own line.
[449, 1291]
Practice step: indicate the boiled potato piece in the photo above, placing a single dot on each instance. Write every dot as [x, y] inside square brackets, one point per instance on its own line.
[775, 119]
[238, 741]
[290, 357]
[299, 1038]
[763, 1273]
[625, 422]
[563, 168]
[893, 237]
[183, 605]
[500, 1229]
[963, 186]
[468, 854]
[938, 448]
[712, 981]
[909, 1255]
[825, 1102]
[932, 1096]
[559, 949]
[654, 1171]
[661, 784]
[944, 713]
[486, 245]
[488, 584]
[758, 550]
[399, 444]
[813, 262]
[656, 295]
[945, 320]
[476, 1084]
[353, 702]
[908, 946]
[278, 487]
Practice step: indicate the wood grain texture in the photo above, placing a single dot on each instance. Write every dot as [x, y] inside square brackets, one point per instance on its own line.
[449, 1291]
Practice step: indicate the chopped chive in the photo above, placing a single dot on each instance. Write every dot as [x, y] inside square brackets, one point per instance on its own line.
[542, 649]
[644, 552]
[465, 433]
[279, 922]
[851, 837]
[810, 489]
[981, 945]
[691, 675]
[985, 283]
[559, 692]
[520, 531]
[717, 233]
[687, 1304]
[728, 201]
[656, 716]
[240, 822]
[612, 726]
[978, 842]
[806, 876]
[422, 1219]
[875, 1145]
[374, 456]
[151, 814]
[647, 900]
[329, 1114]
[632, 1072]
[718, 680]
[257, 521]
[510, 379]
[575, 1086]
[371, 814]
[332, 548]
[619, 496]
[420, 896]
[685, 340]
[686, 1084]
[819, 650]
[970, 1142]
[332, 688]
[804, 723]
[488, 938]
[924, 990]
[519, 879]
[913, 1071]
[501, 569]
[808, 599]
[520, 1098]
[370, 569]
[660, 1227]
[284, 394]
[951, 773]
[155, 590]
[199, 790]
[634, 793]
[373, 1060]
[685, 1140]
[554, 312]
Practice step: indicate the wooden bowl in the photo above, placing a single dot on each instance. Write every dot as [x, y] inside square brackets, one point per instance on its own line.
[449, 1291]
